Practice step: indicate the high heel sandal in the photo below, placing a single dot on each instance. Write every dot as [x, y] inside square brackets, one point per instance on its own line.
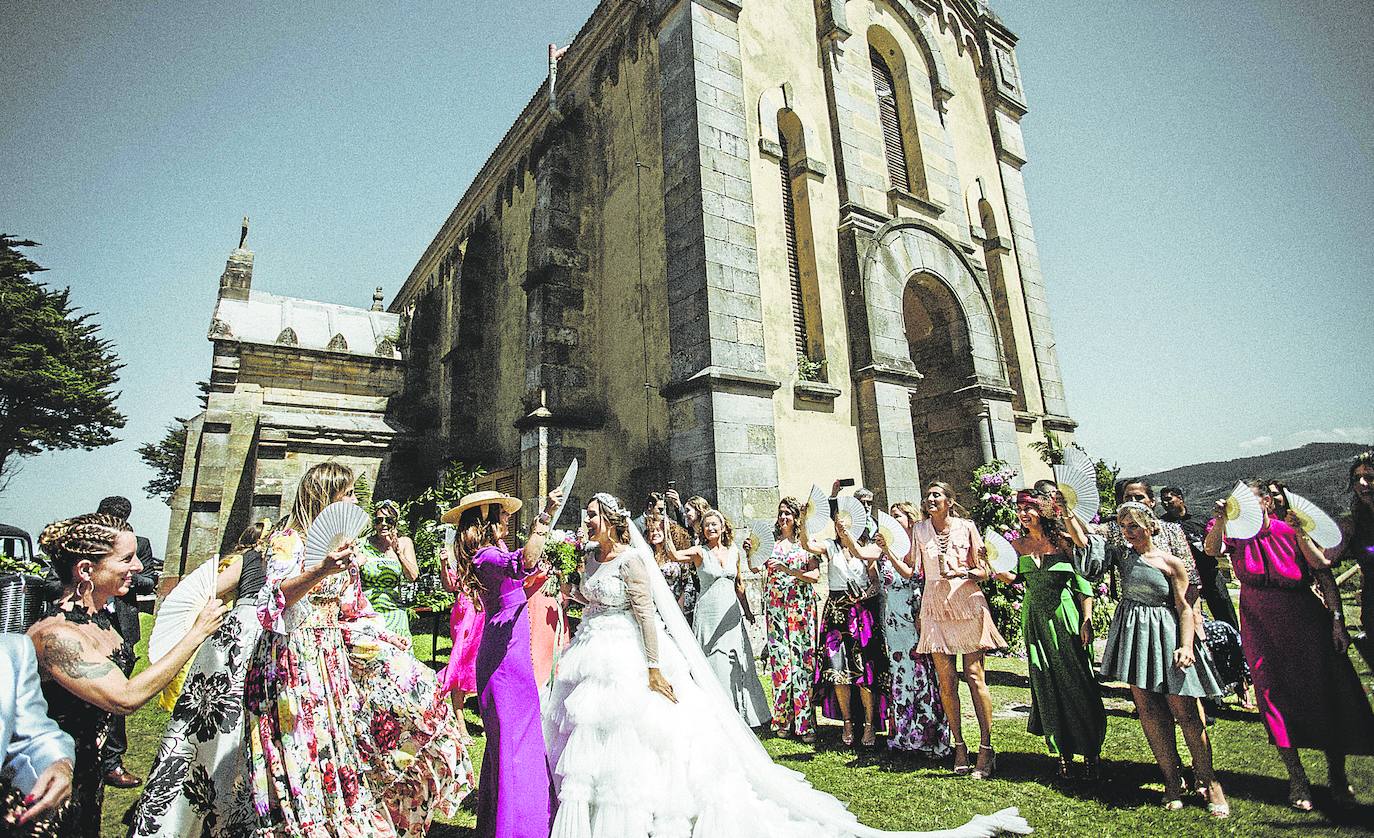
[1300, 797]
[1063, 768]
[1220, 811]
[961, 765]
[847, 733]
[985, 773]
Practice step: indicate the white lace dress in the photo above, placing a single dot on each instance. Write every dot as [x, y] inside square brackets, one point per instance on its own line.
[629, 763]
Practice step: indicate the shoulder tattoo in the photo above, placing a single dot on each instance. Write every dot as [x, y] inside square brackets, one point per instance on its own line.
[64, 654]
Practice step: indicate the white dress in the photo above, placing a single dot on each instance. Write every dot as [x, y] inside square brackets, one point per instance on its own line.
[628, 763]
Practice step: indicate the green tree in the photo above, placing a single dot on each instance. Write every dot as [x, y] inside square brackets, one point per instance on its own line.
[165, 457]
[56, 374]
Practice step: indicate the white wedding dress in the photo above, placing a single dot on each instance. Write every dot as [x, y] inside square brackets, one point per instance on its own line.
[629, 763]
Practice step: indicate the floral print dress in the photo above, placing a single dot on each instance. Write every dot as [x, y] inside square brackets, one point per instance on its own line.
[916, 714]
[789, 607]
[345, 732]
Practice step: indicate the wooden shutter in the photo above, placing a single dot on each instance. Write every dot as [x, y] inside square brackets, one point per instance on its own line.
[891, 124]
[789, 214]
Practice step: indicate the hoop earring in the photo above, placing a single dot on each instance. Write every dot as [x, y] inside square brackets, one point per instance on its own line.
[90, 588]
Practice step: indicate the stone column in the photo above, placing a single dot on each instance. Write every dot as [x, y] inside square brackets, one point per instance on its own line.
[720, 407]
[1008, 104]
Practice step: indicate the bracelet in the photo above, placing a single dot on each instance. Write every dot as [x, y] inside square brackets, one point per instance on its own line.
[544, 518]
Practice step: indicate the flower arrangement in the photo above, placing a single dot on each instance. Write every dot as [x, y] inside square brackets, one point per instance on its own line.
[561, 552]
[994, 505]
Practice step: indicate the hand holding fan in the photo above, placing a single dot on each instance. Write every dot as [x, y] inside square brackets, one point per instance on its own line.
[898, 542]
[761, 542]
[565, 487]
[338, 524]
[1077, 480]
[1312, 520]
[180, 608]
[849, 512]
[1000, 553]
[1243, 513]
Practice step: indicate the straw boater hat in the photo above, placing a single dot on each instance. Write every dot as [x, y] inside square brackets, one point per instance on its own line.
[512, 505]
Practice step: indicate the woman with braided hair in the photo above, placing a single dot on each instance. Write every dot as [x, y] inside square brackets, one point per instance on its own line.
[79, 652]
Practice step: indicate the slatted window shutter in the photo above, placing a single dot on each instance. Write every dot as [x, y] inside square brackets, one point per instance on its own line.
[789, 214]
[891, 124]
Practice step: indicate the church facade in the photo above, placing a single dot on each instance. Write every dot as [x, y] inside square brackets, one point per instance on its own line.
[744, 246]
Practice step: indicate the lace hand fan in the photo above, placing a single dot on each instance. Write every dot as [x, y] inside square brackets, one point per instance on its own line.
[1243, 513]
[761, 543]
[338, 524]
[817, 512]
[1077, 480]
[849, 511]
[1000, 553]
[569, 477]
[1311, 520]
[897, 539]
[179, 609]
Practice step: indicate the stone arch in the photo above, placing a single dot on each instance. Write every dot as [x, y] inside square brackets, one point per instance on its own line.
[772, 102]
[931, 318]
[942, 89]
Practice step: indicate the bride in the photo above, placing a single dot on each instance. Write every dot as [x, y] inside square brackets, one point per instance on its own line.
[644, 742]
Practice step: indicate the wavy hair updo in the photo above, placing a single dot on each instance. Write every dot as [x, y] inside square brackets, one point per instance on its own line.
[615, 516]
[90, 536]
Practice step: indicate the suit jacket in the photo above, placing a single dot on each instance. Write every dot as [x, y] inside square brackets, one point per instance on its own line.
[30, 741]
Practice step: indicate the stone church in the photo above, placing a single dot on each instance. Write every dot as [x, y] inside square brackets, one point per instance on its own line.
[740, 245]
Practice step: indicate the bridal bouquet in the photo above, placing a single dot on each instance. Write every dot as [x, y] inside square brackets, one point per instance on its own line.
[561, 552]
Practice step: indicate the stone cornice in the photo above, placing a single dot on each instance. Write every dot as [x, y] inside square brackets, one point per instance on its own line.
[721, 378]
[907, 376]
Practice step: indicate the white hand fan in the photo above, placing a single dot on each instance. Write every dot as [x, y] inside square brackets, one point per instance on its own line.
[180, 607]
[1312, 520]
[897, 539]
[1000, 553]
[450, 536]
[337, 524]
[1243, 513]
[848, 510]
[761, 543]
[817, 511]
[1077, 480]
[565, 487]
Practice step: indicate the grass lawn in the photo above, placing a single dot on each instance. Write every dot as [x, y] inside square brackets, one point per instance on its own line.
[895, 793]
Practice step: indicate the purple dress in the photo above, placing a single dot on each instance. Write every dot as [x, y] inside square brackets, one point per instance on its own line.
[515, 793]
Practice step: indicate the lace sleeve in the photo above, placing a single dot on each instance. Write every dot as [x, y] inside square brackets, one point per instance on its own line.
[641, 601]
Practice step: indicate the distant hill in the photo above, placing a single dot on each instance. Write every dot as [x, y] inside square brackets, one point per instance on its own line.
[1317, 471]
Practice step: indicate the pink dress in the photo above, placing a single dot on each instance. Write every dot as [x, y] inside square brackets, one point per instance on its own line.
[465, 627]
[548, 632]
[955, 618]
[1308, 693]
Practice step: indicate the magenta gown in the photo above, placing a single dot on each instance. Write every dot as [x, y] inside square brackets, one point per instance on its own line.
[465, 628]
[515, 793]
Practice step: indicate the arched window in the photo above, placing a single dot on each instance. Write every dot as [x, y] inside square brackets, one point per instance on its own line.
[789, 214]
[891, 123]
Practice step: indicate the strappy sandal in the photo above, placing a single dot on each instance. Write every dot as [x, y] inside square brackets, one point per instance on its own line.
[961, 765]
[847, 734]
[870, 738]
[985, 773]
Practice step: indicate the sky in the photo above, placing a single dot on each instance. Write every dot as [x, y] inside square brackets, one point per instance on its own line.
[1200, 176]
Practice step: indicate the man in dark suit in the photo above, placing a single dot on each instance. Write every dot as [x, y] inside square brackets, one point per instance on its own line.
[126, 623]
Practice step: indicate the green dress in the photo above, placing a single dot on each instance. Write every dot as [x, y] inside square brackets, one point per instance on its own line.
[382, 576]
[1066, 706]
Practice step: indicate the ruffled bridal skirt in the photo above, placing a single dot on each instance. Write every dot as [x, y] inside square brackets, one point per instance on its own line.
[628, 763]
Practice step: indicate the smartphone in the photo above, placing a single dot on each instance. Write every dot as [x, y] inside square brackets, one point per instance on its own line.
[845, 481]
[672, 484]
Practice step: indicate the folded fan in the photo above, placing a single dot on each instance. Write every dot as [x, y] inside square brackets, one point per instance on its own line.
[338, 524]
[179, 609]
[761, 543]
[569, 477]
[1243, 513]
[1000, 553]
[1312, 520]
[1077, 481]
[897, 539]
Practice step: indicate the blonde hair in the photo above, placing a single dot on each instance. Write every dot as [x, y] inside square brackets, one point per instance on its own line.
[1139, 514]
[702, 506]
[908, 509]
[85, 537]
[319, 487]
[727, 533]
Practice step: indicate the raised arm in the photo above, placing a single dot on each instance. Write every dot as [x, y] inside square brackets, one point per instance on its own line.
[1215, 542]
[539, 531]
[903, 566]
[65, 656]
[809, 544]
